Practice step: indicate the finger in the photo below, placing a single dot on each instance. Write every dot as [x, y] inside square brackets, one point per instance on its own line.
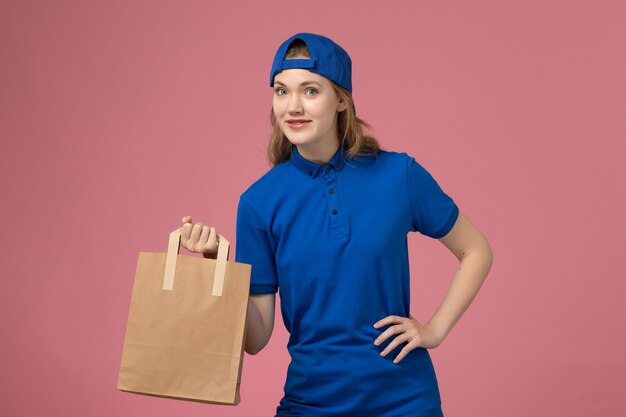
[394, 343]
[186, 219]
[204, 236]
[195, 233]
[213, 238]
[405, 351]
[387, 334]
[186, 232]
[385, 321]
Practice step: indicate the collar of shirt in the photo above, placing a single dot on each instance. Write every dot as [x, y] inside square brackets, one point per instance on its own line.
[313, 169]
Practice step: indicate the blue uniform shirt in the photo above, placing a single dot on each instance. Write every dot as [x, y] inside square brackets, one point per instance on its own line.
[333, 239]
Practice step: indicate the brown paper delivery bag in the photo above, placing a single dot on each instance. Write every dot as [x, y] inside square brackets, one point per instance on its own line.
[185, 333]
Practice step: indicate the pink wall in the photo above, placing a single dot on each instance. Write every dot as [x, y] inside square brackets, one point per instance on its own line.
[118, 118]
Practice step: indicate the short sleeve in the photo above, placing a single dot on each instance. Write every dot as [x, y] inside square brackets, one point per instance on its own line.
[432, 212]
[253, 247]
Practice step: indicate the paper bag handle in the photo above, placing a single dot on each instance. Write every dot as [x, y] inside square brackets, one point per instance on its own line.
[173, 249]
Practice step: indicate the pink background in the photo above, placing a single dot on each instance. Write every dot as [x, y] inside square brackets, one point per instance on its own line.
[118, 118]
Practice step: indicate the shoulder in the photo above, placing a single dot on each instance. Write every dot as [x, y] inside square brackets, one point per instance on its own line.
[382, 157]
[394, 156]
[403, 164]
[398, 156]
[405, 159]
[386, 159]
[266, 184]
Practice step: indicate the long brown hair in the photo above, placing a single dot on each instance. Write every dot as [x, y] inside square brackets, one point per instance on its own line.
[350, 127]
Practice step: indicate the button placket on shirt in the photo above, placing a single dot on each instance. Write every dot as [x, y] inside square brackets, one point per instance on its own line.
[330, 176]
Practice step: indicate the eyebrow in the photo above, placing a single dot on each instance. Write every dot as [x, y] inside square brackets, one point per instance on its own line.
[301, 84]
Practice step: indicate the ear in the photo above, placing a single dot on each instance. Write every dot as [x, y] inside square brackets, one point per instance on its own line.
[342, 106]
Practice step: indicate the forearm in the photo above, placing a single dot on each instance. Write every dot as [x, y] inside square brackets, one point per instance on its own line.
[467, 280]
[256, 332]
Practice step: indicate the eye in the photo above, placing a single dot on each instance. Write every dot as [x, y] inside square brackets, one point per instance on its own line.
[277, 90]
[312, 89]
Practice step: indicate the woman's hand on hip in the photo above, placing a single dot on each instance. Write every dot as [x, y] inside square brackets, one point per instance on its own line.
[407, 330]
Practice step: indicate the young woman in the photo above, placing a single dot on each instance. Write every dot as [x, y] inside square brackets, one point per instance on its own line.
[327, 225]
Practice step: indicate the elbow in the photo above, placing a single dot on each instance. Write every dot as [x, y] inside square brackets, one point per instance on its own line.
[252, 347]
[481, 253]
[254, 350]
[256, 344]
[486, 256]
[251, 351]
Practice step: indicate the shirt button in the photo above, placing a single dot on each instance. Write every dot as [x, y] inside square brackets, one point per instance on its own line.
[334, 211]
[331, 191]
[327, 170]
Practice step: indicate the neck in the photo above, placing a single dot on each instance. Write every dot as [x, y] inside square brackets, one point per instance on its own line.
[318, 153]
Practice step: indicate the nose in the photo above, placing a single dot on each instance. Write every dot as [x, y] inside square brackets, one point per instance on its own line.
[295, 104]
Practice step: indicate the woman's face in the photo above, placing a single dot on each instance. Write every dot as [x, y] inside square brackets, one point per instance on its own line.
[300, 94]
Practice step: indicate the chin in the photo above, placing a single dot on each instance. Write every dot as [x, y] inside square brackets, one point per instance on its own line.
[295, 139]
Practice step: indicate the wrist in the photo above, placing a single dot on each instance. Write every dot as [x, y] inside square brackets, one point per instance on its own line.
[440, 330]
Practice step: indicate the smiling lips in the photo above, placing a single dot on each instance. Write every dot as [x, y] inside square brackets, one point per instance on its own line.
[297, 123]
